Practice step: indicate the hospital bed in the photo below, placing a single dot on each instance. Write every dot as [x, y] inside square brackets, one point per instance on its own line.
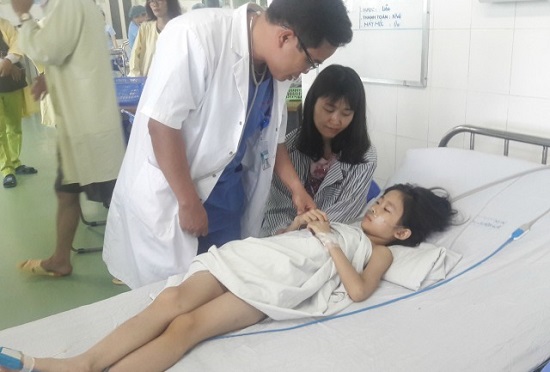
[490, 313]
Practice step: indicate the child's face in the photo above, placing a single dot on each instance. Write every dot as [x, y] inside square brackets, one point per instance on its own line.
[381, 222]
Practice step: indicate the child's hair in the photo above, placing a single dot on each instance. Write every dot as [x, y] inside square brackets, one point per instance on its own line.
[424, 211]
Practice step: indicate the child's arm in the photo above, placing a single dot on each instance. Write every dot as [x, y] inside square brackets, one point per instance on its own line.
[358, 285]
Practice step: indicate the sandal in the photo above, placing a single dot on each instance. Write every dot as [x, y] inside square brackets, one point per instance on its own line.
[34, 267]
[9, 181]
[13, 359]
[23, 169]
[117, 281]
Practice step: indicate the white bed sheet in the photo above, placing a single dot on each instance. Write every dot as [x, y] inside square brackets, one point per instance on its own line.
[494, 317]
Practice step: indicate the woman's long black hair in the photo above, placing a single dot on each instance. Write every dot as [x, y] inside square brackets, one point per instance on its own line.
[174, 10]
[336, 82]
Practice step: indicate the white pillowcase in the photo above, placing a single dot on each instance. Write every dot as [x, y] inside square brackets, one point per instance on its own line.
[418, 267]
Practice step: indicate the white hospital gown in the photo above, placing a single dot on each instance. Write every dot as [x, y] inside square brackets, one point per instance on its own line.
[286, 276]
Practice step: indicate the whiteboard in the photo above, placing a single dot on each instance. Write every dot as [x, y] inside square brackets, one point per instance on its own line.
[390, 41]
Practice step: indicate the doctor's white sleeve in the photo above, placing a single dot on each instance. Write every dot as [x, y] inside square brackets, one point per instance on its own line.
[176, 82]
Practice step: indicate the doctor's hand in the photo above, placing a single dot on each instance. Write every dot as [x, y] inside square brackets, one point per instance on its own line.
[302, 201]
[193, 219]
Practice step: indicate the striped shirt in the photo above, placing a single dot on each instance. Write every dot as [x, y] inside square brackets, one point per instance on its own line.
[342, 194]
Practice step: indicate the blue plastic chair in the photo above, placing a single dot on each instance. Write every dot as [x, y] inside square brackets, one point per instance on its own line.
[374, 191]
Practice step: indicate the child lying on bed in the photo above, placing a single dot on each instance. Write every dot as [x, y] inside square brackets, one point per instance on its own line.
[304, 272]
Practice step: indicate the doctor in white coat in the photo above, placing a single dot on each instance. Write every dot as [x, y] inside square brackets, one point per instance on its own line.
[209, 131]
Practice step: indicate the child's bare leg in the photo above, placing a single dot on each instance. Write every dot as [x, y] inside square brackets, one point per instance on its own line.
[142, 328]
[221, 315]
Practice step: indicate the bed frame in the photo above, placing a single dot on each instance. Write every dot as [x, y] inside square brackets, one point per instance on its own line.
[506, 136]
[496, 133]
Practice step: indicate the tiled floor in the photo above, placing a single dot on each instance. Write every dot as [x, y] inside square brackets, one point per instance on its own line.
[27, 223]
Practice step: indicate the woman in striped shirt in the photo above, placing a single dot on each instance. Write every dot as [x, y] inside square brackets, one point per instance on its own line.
[331, 152]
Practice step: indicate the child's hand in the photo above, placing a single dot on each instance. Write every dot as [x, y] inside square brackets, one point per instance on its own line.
[310, 216]
[319, 227]
[322, 231]
[303, 219]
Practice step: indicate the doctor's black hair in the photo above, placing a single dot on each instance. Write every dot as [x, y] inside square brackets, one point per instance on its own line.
[313, 20]
[425, 211]
[336, 82]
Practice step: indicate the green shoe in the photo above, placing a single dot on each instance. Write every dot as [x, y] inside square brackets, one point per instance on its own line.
[23, 169]
[10, 181]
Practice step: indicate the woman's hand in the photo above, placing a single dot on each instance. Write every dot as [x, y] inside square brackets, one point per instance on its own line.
[302, 201]
[303, 219]
[310, 216]
[319, 227]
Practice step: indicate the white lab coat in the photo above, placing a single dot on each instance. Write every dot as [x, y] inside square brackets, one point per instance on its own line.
[198, 83]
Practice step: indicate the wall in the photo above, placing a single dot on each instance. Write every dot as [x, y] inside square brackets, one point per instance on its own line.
[489, 65]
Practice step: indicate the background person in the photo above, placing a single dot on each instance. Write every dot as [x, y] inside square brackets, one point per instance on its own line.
[12, 100]
[137, 15]
[159, 12]
[110, 33]
[89, 134]
[211, 3]
[200, 158]
[331, 152]
[294, 277]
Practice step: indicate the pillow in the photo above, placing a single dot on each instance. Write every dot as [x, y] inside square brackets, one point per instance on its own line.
[418, 267]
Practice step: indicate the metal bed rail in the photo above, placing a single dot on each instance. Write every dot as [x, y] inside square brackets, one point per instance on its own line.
[496, 133]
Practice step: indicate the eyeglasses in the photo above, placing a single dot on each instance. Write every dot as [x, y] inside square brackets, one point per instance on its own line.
[155, 1]
[312, 63]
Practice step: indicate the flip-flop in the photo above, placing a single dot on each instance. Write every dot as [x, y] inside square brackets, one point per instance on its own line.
[13, 359]
[117, 281]
[23, 169]
[34, 267]
[9, 181]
